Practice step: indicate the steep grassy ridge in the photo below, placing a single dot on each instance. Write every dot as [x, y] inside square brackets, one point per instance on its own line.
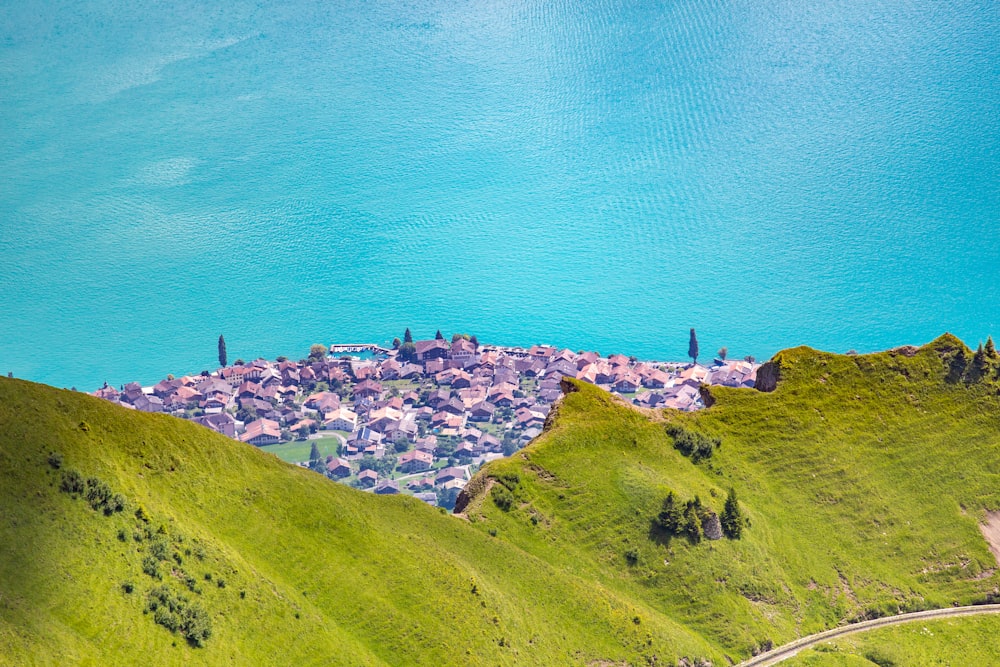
[314, 572]
[863, 478]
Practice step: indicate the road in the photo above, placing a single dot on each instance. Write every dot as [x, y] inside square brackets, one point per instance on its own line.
[781, 653]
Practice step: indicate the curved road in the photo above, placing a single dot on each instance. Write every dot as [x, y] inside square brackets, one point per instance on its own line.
[781, 653]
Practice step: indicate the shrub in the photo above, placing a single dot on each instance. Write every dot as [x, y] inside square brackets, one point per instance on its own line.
[503, 498]
[631, 556]
[72, 482]
[128, 587]
[509, 479]
[159, 549]
[151, 566]
[693, 445]
[55, 460]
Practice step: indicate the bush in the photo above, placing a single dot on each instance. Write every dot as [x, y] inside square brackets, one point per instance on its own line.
[128, 587]
[631, 556]
[151, 566]
[693, 445]
[159, 549]
[502, 498]
[178, 614]
[72, 482]
[55, 460]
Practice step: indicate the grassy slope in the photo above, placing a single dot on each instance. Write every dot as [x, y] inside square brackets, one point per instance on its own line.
[958, 642]
[330, 575]
[864, 479]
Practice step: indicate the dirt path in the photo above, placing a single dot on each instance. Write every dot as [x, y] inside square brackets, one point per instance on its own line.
[991, 531]
[781, 653]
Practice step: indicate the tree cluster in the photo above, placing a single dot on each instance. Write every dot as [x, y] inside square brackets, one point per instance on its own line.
[177, 614]
[691, 444]
[695, 521]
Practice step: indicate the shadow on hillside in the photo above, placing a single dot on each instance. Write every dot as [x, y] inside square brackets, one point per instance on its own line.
[658, 534]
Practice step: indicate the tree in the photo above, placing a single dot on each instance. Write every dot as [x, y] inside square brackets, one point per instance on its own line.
[408, 351]
[671, 516]
[732, 517]
[438, 335]
[693, 347]
[222, 352]
[407, 337]
[691, 522]
[991, 350]
[317, 351]
[749, 359]
[723, 352]
[396, 343]
[314, 454]
[474, 341]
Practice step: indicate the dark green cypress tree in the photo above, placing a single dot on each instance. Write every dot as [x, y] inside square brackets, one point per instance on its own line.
[407, 337]
[222, 351]
[670, 518]
[693, 347]
[439, 335]
[991, 350]
[732, 517]
[691, 521]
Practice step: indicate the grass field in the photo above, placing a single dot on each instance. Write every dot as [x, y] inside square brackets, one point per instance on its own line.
[959, 642]
[864, 480]
[298, 451]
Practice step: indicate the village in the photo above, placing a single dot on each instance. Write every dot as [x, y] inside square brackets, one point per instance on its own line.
[418, 418]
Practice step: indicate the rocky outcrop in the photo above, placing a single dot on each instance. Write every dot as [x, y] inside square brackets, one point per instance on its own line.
[711, 526]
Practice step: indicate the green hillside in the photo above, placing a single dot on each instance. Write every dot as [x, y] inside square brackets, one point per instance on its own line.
[959, 642]
[863, 479]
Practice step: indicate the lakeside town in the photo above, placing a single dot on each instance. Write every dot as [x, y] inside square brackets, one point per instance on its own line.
[419, 417]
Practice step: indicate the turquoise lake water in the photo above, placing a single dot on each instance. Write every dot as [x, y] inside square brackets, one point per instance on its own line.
[593, 174]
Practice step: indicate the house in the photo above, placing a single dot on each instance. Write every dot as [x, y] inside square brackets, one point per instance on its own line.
[482, 412]
[435, 348]
[433, 367]
[149, 403]
[323, 401]
[410, 372]
[342, 419]
[559, 368]
[542, 351]
[527, 418]
[367, 389]
[428, 497]
[364, 438]
[367, 479]
[462, 350]
[626, 384]
[448, 474]
[222, 422]
[387, 487]
[383, 418]
[415, 461]
[461, 380]
[428, 443]
[650, 399]
[390, 369]
[262, 432]
[454, 406]
[338, 467]
[438, 398]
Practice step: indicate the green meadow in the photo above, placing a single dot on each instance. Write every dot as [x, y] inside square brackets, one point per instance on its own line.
[862, 479]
